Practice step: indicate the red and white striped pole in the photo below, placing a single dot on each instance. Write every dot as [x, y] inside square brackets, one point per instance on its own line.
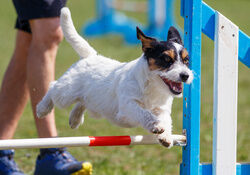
[179, 140]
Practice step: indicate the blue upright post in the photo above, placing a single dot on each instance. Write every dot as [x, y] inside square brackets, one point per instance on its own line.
[191, 11]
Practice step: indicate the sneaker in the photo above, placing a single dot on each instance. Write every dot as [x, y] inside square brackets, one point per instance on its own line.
[58, 161]
[7, 164]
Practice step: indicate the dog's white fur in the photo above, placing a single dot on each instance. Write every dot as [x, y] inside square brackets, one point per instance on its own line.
[127, 94]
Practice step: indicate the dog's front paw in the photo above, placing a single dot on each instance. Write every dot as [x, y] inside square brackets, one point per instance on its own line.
[166, 140]
[155, 127]
[152, 124]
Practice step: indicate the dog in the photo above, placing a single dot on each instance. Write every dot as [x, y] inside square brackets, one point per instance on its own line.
[136, 93]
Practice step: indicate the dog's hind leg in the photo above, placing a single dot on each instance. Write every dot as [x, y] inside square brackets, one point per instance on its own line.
[76, 115]
[45, 106]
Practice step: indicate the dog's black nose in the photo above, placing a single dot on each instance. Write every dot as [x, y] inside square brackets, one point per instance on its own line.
[184, 76]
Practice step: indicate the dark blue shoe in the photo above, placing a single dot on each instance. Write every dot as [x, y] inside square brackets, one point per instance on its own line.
[58, 161]
[7, 164]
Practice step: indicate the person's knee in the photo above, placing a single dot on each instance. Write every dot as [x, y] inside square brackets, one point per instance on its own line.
[49, 38]
[54, 36]
[47, 32]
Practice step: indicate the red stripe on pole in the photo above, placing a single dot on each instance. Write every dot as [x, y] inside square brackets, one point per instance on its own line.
[109, 140]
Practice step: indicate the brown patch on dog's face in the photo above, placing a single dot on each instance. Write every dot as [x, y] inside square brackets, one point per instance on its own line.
[152, 65]
[184, 53]
[184, 56]
[170, 53]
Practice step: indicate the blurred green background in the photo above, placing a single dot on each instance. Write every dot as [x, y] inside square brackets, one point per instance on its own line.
[139, 160]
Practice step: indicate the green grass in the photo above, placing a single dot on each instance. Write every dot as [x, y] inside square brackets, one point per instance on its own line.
[139, 160]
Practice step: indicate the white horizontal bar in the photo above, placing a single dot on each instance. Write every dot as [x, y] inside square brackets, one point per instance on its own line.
[179, 140]
[44, 142]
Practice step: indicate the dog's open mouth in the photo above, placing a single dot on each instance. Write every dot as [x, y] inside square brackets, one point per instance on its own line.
[175, 87]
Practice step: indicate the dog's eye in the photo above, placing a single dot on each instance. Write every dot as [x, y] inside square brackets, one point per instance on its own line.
[168, 61]
[164, 61]
[168, 58]
[186, 60]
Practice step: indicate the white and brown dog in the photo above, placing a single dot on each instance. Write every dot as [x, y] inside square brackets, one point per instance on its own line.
[137, 93]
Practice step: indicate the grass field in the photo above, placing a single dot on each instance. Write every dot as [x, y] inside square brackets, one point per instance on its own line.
[140, 160]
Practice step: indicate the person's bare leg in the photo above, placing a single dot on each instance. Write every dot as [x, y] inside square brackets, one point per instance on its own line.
[14, 92]
[46, 35]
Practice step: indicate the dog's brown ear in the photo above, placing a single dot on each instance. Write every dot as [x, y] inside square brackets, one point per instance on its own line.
[145, 40]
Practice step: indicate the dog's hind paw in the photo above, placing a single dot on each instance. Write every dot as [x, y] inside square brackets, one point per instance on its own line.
[40, 115]
[75, 122]
[42, 111]
[76, 116]
[44, 107]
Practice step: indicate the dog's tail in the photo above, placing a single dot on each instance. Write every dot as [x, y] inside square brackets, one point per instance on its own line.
[80, 45]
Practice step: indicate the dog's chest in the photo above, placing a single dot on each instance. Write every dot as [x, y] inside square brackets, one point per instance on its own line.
[155, 96]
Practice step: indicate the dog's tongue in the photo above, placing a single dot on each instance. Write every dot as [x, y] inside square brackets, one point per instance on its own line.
[175, 86]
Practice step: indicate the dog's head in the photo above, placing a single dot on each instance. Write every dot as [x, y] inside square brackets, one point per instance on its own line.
[168, 59]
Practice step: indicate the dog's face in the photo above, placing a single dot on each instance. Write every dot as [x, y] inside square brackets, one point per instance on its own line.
[168, 59]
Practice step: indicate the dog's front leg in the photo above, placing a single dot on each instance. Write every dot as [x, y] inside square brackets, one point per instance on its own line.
[165, 138]
[130, 109]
